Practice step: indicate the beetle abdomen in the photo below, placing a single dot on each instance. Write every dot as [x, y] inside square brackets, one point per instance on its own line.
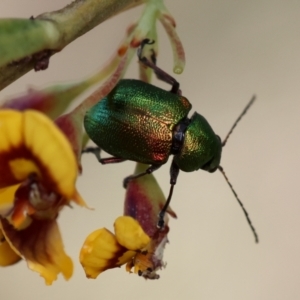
[135, 121]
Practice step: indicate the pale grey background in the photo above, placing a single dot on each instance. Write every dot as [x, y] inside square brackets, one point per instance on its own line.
[234, 49]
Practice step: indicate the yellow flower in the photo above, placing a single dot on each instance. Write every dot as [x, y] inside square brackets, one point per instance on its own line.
[137, 241]
[37, 178]
[103, 250]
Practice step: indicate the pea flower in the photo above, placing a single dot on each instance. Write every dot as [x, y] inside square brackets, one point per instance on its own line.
[137, 241]
[40, 161]
[37, 179]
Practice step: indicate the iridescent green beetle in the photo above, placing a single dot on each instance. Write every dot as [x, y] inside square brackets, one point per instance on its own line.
[141, 122]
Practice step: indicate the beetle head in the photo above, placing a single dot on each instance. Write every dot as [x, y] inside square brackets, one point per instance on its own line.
[213, 164]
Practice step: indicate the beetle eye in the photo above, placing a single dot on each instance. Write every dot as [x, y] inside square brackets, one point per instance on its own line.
[213, 170]
[207, 166]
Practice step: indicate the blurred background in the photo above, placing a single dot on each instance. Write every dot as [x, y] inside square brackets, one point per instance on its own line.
[234, 49]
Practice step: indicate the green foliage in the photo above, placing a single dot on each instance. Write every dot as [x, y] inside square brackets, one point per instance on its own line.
[23, 37]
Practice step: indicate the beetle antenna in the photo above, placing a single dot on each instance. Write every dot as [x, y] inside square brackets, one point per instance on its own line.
[238, 119]
[240, 203]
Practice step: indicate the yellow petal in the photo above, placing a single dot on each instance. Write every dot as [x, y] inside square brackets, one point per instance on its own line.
[21, 167]
[53, 150]
[31, 142]
[126, 257]
[10, 138]
[7, 196]
[7, 255]
[78, 199]
[129, 266]
[130, 234]
[10, 128]
[101, 251]
[41, 246]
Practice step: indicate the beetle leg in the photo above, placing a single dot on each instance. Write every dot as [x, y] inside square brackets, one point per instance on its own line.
[150, 170]
[108, 160]
[160, 74]
[174, 171]
[94, 150]
[111, 160]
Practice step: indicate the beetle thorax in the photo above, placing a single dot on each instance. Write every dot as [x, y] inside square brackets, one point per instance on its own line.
[200, 147]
